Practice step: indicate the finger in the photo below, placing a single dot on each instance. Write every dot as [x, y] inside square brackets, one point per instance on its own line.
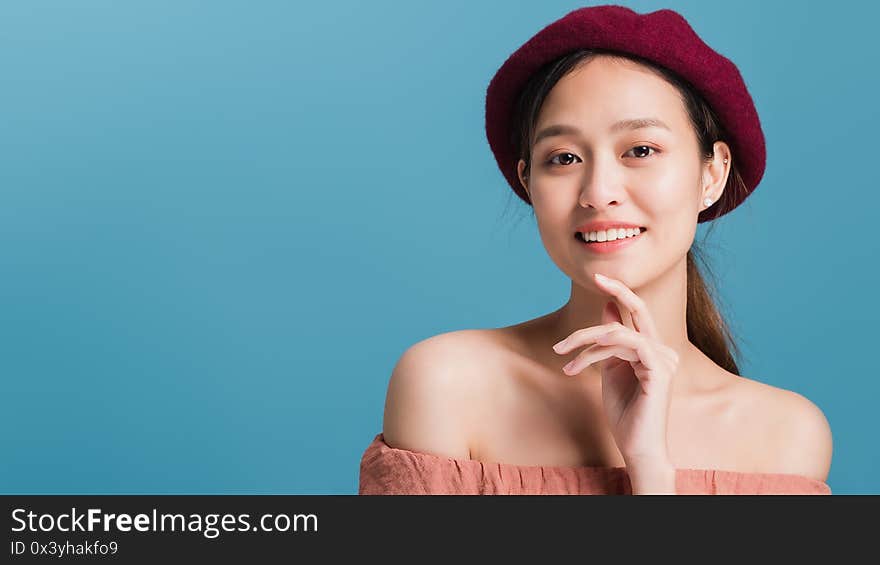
[596, 353]
[643, 322]
[670, 354]
[653, 364]
[586, 335]
[614, 312]
[645, 350]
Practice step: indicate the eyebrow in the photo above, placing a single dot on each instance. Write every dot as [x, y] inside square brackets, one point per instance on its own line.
[632, 124]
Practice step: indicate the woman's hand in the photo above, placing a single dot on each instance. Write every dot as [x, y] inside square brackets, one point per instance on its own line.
[637, 372]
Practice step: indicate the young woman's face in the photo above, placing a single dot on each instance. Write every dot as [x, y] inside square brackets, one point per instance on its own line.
[593, 171]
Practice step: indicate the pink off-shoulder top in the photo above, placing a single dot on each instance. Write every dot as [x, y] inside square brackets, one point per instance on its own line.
[390, 470]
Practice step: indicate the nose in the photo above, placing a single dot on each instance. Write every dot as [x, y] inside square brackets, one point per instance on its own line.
[602, 185]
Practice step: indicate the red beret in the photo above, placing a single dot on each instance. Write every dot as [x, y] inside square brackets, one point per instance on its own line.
[663, 37]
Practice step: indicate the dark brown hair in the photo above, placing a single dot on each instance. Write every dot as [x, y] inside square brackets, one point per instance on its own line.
[706, 327]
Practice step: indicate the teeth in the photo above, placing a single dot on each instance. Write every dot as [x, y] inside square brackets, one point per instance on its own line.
[611, 234]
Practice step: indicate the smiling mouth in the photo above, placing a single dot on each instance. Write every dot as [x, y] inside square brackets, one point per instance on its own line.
[580, 237]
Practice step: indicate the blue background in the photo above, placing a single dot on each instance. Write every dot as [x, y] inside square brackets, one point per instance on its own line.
[223, 222]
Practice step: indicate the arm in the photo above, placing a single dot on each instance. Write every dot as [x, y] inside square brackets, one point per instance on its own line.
[651, 477]
[637, 371]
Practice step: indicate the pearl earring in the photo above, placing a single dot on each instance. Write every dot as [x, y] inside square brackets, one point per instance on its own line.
[707, 201]
[725, 161]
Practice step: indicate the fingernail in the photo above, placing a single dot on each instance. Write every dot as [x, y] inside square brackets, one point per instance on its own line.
[558, 345]
[568, 366]
[601, 277]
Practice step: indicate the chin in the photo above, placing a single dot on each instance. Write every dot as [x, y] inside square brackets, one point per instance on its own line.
[628, 276]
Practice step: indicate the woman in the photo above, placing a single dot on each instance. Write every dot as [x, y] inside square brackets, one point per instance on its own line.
[623, 131]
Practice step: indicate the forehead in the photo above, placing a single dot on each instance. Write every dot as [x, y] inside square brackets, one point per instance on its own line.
[604, 90]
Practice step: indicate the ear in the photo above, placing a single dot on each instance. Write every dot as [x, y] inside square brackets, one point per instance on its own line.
[715, 174]
[523, 178]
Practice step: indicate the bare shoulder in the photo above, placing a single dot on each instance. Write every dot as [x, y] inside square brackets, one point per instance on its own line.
[433, 394]
[798, 429]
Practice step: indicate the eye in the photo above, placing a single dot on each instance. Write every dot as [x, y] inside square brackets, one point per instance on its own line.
[649, 148]
[566, 155]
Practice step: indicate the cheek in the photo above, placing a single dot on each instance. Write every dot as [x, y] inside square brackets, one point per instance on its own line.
[670, 208]
[551, 228]
[552, 224]
[667, 197]
[550, 213]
